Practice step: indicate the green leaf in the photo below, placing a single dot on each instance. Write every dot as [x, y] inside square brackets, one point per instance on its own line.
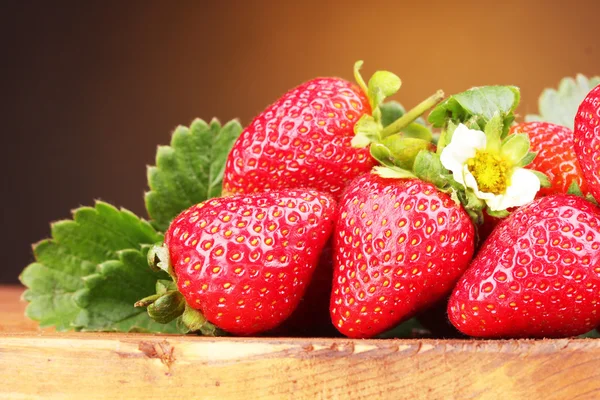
[493, 132]
[404, 150]
[497, 213]
[358, 77]
[381, 153]
[528, 159]
[593, 334]
[393, 172]
[559, 106]
[381, 85]
[76, 250]
[107, 301]
[190, 170]
[429, 168]
[366, 131]
[544, 181]
[391, 111]
[515, 147]
[482, 102]
[575, 189]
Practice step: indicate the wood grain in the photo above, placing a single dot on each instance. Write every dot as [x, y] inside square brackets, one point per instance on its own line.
[50, 365]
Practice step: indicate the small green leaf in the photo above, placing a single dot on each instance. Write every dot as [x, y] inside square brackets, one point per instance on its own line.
[544, 181]
[428, 167]
[194, 321]
[593, 334]
[528, 159]
[493, 132]
[404, 150]
[497, 213]
[417, 131]
[190, 170]
[76, 250]
[446, 136]
[381, 153]
[515, 147]
[167, 307]
[482, 102]
[473, 206]
[366, 130]
[159, 259]
[381, 85]
[575, 189]
[391, 111]
[107, 303]
[164, 285]
[393, 173]
[358, 77]
[559, 106]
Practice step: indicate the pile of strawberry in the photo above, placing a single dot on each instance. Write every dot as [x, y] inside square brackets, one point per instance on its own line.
[335, 219]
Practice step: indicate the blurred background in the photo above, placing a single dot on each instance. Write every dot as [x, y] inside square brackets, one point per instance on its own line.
[89, 89]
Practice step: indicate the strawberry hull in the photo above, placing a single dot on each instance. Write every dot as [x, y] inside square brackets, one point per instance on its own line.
[537, 275]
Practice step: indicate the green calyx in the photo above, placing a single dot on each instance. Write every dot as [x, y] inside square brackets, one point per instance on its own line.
[168, 303]
[389, 126]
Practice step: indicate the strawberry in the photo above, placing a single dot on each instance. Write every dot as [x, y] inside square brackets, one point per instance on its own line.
[587, 140]
[244, 262]
[537, 275]
[555, 155]
[302, 140]
[318, 134]
[399, 246]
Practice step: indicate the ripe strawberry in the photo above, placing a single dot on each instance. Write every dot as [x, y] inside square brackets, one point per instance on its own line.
[399, 245]
[537, 275]
[302, 140]
[245, 261]
[555, 155]
[587, 140]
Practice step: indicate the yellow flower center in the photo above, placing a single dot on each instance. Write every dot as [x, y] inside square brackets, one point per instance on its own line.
[490, 171]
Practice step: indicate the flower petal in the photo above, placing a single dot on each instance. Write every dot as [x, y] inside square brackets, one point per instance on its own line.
[522, 190]
[462, 147]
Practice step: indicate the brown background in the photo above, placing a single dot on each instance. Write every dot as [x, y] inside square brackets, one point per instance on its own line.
[90, 88]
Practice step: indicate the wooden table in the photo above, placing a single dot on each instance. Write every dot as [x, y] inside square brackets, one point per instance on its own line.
[41, 364]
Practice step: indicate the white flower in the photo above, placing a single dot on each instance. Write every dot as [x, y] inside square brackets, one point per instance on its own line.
[475, 166]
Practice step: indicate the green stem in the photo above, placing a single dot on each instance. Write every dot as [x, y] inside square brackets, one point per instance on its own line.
[410, 116]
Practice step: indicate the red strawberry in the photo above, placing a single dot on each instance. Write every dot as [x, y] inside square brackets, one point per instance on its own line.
[302, 140]
[555, 155]
[245, 261]
[587, 140]
[399, 245]
[537, 275]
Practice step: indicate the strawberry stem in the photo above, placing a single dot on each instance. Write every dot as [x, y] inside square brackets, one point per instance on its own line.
[410, 116]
